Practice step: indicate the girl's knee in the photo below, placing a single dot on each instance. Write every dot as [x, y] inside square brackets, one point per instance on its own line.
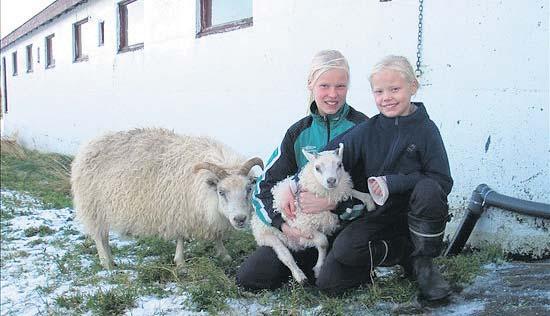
[428, 200]
[261, 270]
[428, 188]
[335, 277]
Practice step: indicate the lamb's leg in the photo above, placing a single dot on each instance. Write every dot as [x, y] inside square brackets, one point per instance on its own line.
[285, 256]
[221, 251]
[365, 198]
[321, 243]
[101, 238]
[178, 257]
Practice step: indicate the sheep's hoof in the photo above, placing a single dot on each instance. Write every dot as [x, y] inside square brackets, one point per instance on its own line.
[300, 277]
[108, 265]
[226, 258]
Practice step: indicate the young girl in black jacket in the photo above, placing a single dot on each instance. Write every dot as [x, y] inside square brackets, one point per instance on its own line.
[399, 156]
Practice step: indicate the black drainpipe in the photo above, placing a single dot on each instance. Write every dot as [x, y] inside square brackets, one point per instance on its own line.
[482, 197]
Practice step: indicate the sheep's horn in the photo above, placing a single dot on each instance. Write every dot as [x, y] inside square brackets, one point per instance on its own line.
[245, 169]
[215, 169]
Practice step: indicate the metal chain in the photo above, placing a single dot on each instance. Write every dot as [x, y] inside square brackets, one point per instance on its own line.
[418, 72]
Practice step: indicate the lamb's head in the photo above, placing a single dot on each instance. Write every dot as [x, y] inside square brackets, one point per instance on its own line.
[234, 190]
[326, 166]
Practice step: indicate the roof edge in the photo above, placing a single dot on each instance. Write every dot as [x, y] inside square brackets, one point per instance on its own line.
[49, 13]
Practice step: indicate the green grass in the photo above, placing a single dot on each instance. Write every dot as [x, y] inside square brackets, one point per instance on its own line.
[43, 175]
[41, 231]
[463, 268]
[111, 302]
[148, 267]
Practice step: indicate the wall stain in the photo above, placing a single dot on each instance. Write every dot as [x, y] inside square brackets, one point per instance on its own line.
[487, 143]
[531, 177]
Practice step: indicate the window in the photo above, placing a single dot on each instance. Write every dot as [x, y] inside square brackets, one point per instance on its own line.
[101, 33]
[50, 61]
[29, 58]
[130, 14]
[78, 41]
[14, 63]
[218, 16]
[38, 55]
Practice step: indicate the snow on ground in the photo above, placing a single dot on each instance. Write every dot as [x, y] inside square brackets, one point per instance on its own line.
[42, 265]
[33, 275]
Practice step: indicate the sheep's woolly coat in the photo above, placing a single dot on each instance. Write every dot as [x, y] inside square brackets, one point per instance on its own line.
[140, 182]
[324, 222]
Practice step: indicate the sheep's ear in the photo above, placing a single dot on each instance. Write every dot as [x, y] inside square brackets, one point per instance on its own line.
[309, 156]
[340, 150]
[212, 183]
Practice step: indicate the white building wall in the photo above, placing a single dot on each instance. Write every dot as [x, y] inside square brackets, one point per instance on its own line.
[485, 81]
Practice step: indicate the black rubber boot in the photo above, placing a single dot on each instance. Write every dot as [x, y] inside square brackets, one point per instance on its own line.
[399, 252]
[431, 283]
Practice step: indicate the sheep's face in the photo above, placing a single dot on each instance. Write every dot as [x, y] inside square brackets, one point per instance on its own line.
[234, 198]
[233, 189]
[327, 166]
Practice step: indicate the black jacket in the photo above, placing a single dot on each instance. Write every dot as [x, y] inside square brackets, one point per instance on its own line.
[404, 149]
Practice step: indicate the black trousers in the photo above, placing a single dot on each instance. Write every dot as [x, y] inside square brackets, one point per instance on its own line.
[348, 263]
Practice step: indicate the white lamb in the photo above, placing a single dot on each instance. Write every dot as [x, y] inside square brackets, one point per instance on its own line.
[153, 182]
[325, 176]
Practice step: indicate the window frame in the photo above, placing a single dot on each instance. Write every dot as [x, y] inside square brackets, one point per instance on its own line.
[206, 27]
[78, 54]
[28, 58]
[5, 85]
[123, 46]
[101, 33]
[48, 51]
[14, 63]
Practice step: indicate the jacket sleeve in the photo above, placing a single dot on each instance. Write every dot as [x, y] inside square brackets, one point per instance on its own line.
[281, 164]
[435, 165]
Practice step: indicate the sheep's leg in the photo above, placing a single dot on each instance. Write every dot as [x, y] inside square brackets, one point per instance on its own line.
[221, 251]
[285, 256]
[365, 198]
[101, 238]
[321, 243]
[178, 257]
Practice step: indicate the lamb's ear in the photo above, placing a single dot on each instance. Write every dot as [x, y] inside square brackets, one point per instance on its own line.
[340, 150]
[309, 156]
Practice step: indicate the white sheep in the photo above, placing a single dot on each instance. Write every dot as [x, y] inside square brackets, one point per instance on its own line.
[324, 176]
[153, 182]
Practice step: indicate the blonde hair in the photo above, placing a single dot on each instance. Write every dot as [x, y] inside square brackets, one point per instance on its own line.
[397, 63]
[322, 62]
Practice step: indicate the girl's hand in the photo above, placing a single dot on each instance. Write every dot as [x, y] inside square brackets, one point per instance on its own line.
[288, 203]
[294, 233]
[375, 188]
[378, 189]
[312, 204]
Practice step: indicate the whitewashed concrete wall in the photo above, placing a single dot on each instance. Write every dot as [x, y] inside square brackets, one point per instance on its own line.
[485, 82]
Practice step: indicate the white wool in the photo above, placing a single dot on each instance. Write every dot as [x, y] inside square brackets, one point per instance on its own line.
[142, 183]
[319, 225]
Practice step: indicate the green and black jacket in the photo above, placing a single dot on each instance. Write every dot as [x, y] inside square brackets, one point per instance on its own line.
[312, 132]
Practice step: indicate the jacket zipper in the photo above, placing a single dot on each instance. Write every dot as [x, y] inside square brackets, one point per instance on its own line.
[327, 121]
[393, 148]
